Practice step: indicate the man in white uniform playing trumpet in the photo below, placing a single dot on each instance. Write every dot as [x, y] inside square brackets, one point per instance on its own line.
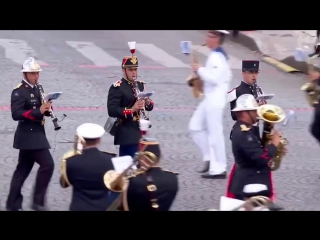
[206, 125]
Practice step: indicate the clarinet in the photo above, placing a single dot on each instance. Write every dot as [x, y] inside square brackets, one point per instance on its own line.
[53, 117]
[257, 90]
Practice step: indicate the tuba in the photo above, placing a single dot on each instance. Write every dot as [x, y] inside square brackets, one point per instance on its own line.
[78, 145]
[270, 115]
[312, 89]
[118, 183]
[193, 80]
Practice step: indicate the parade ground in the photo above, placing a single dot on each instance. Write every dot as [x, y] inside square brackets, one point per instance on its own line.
[83, 65]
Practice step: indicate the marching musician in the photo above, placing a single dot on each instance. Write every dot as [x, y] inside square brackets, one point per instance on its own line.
[30, 138]
[151, 188]
[315, 124]
[206, 126]
[85, 171]
[251, 158]
[124, 105]
[248, 85]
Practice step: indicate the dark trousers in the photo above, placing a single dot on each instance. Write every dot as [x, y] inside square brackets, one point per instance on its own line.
[128, 150]
[315, 124]
[26, 160]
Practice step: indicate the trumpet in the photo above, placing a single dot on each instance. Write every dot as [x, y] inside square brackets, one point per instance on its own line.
[271, 114]
[193, 80]
[53, 117]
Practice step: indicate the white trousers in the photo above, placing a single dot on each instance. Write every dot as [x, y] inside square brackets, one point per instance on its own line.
[206, 128]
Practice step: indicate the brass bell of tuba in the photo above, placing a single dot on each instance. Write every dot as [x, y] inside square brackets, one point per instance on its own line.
[256, 203]
[270, 115]
[193, 80]
[118, 183]
[78, 145]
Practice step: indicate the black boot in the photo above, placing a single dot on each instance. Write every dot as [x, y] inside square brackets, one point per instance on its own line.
[216, 176]
[205, 168]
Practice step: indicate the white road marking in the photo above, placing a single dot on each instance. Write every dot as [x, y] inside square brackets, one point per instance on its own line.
[18, 50]
[94, 54]
[158, 55]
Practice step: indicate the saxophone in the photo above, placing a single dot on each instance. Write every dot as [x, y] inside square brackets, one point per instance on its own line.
[270, 115]
[193, 80]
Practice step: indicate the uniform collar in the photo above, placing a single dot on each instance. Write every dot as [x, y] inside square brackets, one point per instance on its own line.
[91, 149]
[128, 81]
[25, 81]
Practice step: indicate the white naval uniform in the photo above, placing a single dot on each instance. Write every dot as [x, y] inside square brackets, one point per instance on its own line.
[206, 124]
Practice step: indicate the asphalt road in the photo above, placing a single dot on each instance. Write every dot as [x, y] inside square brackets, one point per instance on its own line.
[85, 95]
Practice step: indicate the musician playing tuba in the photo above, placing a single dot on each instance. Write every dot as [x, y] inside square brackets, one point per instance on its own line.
[125, 107]
[83, 168]
[205, 126]
[151, 188]
[252, 160]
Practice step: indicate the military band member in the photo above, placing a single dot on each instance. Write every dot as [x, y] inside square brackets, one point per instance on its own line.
[85, 171]
[124, 105]
[151, 188]
[248, 85]
[30, 138]
[251, 158]
[206, 125]
[315, 124]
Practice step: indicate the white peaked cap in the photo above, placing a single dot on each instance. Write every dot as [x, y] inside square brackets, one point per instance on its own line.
[132, 45]
[254, 188]
[246, 102]
[90, 131]
[30, 65]
[222, 31]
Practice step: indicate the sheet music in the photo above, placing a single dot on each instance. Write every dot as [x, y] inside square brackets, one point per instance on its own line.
[121, 163]
[52, 96]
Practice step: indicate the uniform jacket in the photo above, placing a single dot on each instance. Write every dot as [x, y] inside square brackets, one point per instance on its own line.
[139, 198]
[216, 77]
[85, 173]
[25, 108]
[236, 92]
[121, 97]
[251, 159]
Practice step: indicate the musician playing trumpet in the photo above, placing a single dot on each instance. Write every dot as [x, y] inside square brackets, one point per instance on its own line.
[84, 169]
[206, 125]
[124, 105]
[252, 159]
[30, 138]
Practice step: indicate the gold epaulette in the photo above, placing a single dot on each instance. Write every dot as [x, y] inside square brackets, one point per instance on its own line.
[136, 173]
[244, 128]
[139, 81]
[16, 87]
[165, 170]
[117, 83]
[111, 153]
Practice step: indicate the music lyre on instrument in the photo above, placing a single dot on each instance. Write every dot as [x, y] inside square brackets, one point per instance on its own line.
[53, 117]
[193, 80]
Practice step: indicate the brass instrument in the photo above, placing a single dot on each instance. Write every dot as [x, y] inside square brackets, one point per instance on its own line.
[142, 111]
[256, 203]
[78, 145]
[312, 89]
[193, 80]
[53, 117]
[252, 204]
[271, 114]
[118, 183]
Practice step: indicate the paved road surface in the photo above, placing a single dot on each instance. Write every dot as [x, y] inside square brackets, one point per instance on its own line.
[75, 63]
